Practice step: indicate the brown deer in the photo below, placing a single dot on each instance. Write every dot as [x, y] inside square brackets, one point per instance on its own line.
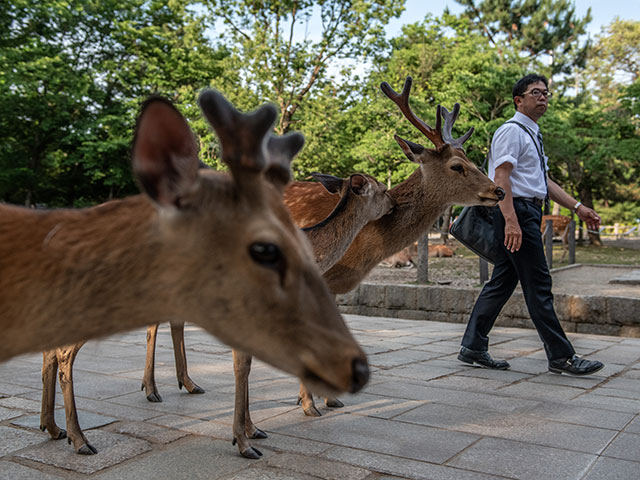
[560, 229]
[406, 256]
[220, 249]
[362, 198]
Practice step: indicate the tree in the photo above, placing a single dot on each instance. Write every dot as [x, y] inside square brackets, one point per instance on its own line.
[277, 59]
[72, 74]
[538, 27]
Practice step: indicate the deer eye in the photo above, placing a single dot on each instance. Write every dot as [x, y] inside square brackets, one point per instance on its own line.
[457, 168]
[266, 254]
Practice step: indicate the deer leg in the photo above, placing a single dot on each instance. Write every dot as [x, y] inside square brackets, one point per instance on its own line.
[177, 335]
[66, 357]
[149, 378]
[243, 428]
[305, 397]
[47, 417]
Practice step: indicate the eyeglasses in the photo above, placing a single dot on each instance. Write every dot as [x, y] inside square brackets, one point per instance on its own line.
[536, 92]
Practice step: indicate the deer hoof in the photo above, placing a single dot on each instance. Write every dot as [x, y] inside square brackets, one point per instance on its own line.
[154, 397]
[87, 449]
[258, 434]
[196, 390]
[252, 453]
[312, 411]
[333, 403]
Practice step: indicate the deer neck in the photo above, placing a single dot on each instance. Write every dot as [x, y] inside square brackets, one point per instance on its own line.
[418, 207]
[331, 238]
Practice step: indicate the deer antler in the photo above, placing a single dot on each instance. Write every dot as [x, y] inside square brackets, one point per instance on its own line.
[449, 120]
[437, 136]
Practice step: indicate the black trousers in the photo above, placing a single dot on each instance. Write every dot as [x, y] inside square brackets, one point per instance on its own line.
[529, 266]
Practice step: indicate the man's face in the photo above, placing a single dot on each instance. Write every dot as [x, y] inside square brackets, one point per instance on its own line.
[531, 105]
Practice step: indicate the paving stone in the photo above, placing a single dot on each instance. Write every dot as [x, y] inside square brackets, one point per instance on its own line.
[512, 426]
[196, 458]
[316, 467]
[400, 357]
[7, 413]
[87, 420]
[146, 431]
[528, 389]
[377, 406]
[286, 443]
[376, 435]
[10, 389]
[471, 384]
[197, 426]
[14, 439]
[15, 471]
[523, 460]
[266, 473]
[634, 426]
[19, 403]
[592, 417]
[612, 469]
[401, 466]
[112, 450]
[422, 371]
[606, 402]
[625, 446]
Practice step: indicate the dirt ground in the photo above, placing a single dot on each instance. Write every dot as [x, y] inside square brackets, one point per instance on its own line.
[464, 272]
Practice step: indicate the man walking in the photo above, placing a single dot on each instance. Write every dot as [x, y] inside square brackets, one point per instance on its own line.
[517, 164]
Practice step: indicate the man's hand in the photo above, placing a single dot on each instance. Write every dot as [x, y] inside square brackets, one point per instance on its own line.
[512, 234]
[589, 216]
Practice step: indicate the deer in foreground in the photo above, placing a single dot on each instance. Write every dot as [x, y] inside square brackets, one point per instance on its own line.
[560, 229]
[220, 249]
[361, 198]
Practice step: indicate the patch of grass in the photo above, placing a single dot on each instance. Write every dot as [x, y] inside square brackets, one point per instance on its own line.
[588, 255]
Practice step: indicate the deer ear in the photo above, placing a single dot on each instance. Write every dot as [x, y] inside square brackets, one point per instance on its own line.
[165, 153]
[329, 182]
[359, 184]
[410, 149]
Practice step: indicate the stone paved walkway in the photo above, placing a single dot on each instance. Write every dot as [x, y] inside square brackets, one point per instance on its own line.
[424, 415]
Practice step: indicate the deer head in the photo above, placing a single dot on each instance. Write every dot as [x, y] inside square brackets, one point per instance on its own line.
[445, 167]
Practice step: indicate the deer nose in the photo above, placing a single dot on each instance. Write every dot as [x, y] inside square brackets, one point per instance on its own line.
[360, 372]
[500, 193]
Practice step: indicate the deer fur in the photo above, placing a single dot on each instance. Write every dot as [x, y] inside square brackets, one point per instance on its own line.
[362, 198]
[560, 229]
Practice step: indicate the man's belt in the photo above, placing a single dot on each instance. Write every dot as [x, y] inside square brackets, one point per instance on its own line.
[534, 200]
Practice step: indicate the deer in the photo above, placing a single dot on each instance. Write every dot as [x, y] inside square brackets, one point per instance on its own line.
[218, 248]
[362, 198]
[404, 258]
[560, 229]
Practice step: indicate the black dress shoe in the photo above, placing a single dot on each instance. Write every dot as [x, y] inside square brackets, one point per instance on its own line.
[481, 358]
[575, 366]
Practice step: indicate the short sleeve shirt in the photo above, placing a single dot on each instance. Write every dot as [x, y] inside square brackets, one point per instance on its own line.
[512, 144]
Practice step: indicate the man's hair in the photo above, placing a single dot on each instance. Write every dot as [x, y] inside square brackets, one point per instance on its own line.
[521, 85]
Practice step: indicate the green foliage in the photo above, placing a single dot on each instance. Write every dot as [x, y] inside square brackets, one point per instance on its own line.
[74, 72]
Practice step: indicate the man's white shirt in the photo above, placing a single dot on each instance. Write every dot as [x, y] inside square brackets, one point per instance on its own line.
[512, 144]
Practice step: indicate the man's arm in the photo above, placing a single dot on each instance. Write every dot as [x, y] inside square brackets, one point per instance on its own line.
[586, 214]
[512, 230]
